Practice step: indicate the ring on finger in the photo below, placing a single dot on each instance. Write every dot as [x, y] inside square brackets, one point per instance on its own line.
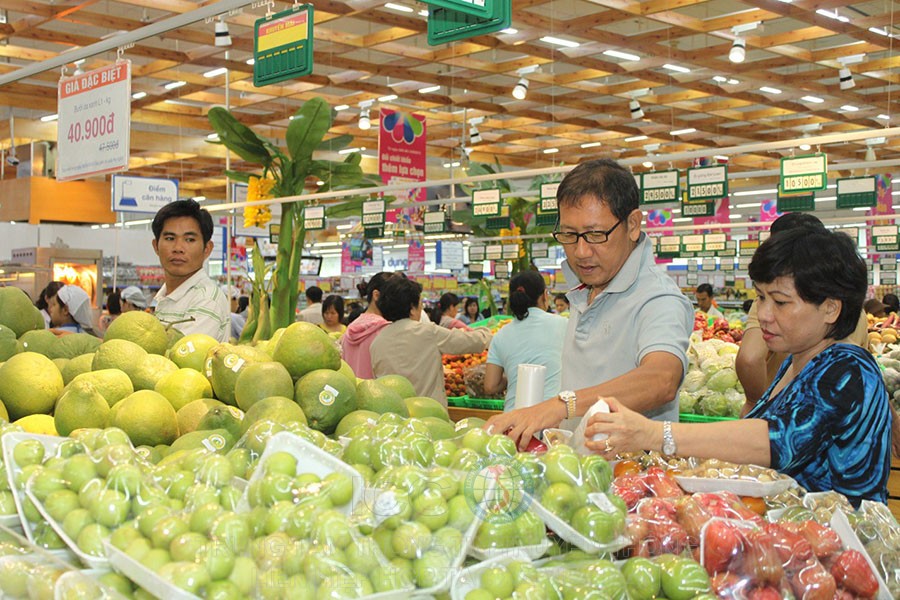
[608, 446]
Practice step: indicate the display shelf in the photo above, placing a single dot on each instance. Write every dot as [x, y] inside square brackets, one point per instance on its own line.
[692, 418]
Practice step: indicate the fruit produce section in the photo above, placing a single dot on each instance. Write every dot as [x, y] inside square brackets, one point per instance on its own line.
[178, 467]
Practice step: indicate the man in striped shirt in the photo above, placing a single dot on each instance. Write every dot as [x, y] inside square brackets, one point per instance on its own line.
[188, 300]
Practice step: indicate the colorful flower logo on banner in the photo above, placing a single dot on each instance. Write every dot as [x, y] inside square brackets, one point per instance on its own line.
[403, 126]
[659, 217]
[768, 210]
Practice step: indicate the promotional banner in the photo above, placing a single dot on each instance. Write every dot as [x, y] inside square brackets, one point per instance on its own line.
[660, 217]
[94, 129]
[885, 206]
[416, 254]
[401, 158]
[357, 252]
[723, 211]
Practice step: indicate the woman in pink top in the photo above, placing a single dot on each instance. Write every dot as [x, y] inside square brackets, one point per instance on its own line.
[359, 335]
[446, 310]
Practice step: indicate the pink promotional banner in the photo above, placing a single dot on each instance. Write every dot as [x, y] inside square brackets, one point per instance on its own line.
[884, 205]
[402, 158]
[656, 218]
[722, 216]
[356, 252]
[416, 255]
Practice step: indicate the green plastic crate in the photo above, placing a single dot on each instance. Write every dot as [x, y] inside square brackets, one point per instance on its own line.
[491, 321]
[458, 401]
[485, 403]
[692, 418]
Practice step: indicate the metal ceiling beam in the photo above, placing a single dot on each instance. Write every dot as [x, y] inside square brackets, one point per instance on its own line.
[201, 14]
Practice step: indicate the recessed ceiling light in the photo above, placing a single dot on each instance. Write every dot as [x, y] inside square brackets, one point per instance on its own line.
[398, 7]
[622, 55]
[676, 68]
[879, 31]
[591, 144]
[733, 82]
[883, 117]
[559, 41]
[216, 72]
[509, 31]
[423, 12]
[199, 198]
[769, 90]
[813, 99]
[174, 84]
[429, 89]
[48, 118]
[389, 97]
[804, 147]
[340, 107]
[647, 164]
[832, 15]
[849, 108]
[683, 131]
[213, 137]
[251, 61]
[448, 165]
[551, 150]
[720, 79]
[349, 150]
[139, 95]
[721, 157]
[636, 138]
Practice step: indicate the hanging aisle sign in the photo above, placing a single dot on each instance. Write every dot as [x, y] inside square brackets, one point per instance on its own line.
[540, 250]
[314, 218]
[142, 194]
[669, 246]
[885, 238]
[94, 127]
[476, 254]
[373, 218]
[804, 174]
[283, 45]
[853, 192]
[707, 183]
[435, 222]
[486, 203]
[805, 202]
[548, 197]
[660, 187]
[452, 24]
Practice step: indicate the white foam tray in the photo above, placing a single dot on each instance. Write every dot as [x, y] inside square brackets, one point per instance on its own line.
[9, 442]
[470, 579]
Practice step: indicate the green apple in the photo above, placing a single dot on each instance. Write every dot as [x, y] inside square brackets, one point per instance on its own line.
[138, 549]
[476, 440]
[281, 462]
[45, 537]
[562, 466]
[125, 478]
[530, 529]
[384, 537]
[411, 540]
[561, 499]
[294, 553]
[28, 452]
[447, 540]
[90, 539]
[358, 451]
[122, 537]
[460, 514]
[75, 521]
[332, 528]
[598, 525]
[119, 583]
[431, 510]
[500, 445]
[498, 581]
[79, 469]
[243, 575]
[274, 519]
[110, 436]
[223, 590]
[188, 576]
[422, 450]
[322, 562]
[229, 497]
[233, 530]
[240, 459]
[275, 487]
[45, 481]
[465, 459]
[167, 529]
[496, 533]
[202, 518]
[607, 577]
[431, 568]
[345, 585]
[643, 577]
[394, 507]
[363, 555]
[216, 470]
[443, 452]
[340, 488]
[146, 497]
[184, 547]
[110, 508]
[684, 579]
[60, 503]
[148, 519]
[386, 578]
[597, 473]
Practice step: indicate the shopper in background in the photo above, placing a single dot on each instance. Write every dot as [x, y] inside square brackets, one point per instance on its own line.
[357, 340]
[756, 364]
[445, 312]
[70, 311]
[704, 296]
[534, 337]
[48, 292]
[892, 302]
[333, 315]
[133, 298]
[113, 310]
[875, 307]
[471, 311]
[313, 311]
[188, 300]
[239, 316]
[825, 420]
[629, 324]
[561, 303]
[413, 349]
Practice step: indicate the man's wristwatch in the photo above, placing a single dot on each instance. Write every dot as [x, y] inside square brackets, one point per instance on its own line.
[668, 446]
[569, 399]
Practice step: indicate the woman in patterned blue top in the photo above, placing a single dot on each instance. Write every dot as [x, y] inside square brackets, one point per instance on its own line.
[825, 419]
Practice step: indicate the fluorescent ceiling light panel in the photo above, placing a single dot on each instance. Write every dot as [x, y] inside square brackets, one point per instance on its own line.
[213, 137]
[398, 7]
[883, 117]
[251, 61]
[216, 72]
[509, 31]
[636, 138]
[813, 99]
[832, 15]
[551, 150]
[879, 31]
[622, 55]
[676, 68]
[733, 82]
[559, 42]
[350, 150]
[591, 144]
[174, 84]
[340, 107]
[719, 78]
[139, 95]
[388, 98]
[769, 90]
[429, 89]
[48, 118]
[749, 205]
[683, 131]
[755, 193]
[448, 165]
[849, 108]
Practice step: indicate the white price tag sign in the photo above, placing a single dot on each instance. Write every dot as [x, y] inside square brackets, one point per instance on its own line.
[93, 132]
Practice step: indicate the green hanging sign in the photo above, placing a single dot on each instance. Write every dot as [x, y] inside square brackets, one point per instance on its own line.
[486, 203]
[707, 183]
[855, 192]
[449, 25]
[373, 214]
[283, 45]
[796, 202]
[434, 222]
[313, 218]
[661, 187]
[669, 246]
[477, 8]
[548, 198]
[804, 174]
[885, 238]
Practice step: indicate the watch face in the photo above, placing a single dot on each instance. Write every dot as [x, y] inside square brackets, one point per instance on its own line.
[669, 448]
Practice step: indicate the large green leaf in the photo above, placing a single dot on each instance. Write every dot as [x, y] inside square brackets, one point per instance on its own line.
[238, 176]
[310, 124]
[336, 143]
[336, 173]
[237, 137]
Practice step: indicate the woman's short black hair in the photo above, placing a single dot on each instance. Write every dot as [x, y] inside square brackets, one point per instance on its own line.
[470, 302]
[525, 289]
[892, 302]
[448, 300]
[399, 296]
[376, 283]
[183, 208]
[114, 303]
[337, 303]
[48, 292]
[824, 264]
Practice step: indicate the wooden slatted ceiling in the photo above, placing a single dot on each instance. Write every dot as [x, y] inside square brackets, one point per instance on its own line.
[364, 51]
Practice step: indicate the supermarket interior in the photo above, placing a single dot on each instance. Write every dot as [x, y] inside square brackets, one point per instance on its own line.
[218, 219]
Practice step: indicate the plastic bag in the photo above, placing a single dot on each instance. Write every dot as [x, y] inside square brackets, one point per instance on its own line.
[474, 377]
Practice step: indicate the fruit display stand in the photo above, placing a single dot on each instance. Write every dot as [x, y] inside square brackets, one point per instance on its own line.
[894, 488]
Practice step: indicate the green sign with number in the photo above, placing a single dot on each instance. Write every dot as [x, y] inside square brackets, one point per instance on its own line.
[855, 192]
[660, 187]
[705, 183]
[796, 202]
[283, 45]
[449, 25]
[434, 222]
[804, 174]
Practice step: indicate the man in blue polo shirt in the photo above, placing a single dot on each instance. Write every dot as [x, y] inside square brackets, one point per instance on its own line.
[629, 324]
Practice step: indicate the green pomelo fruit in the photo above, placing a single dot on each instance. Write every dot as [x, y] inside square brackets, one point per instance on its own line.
[439, 428]
[77, 366]
[223, 417]
[224, 364]
[190, 415]
[262, 380]
[190, 351]
[150, 370]
[147, 417]
[214, 440]
[41, 341]
[347, 371]
[139, 327]
[371, 395]
[277, 409]
[76, 344]
[357, 417]
[29, 384]
[399, 384]
[421, 407]
[183, 386]
[17, 312]
[60, 364]
[8, 345]
[119, 354]
[81, 405]
[326, 397]
[112, 384]
[304, 348]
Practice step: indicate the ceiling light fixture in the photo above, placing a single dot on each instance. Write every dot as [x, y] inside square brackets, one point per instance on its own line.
[635, 138]
[849, 108]
[870, 155]
[845, 77]
[387, 98]
[398, 7]
[879, 31]
[769, 90]
[509, 31]
[448, 165]
[813, 99]
[429, 89]
[682, 131]
[341, 107]
[832, 15]
[251, 61]
[884, 117]
[213, 137]
[738, 51]
[591, 144]
[720, 79]
[216, 72]
[551, 150]
[474, 134]
[174, 84]
[364, 121]
[521, 89]
[139, 95]
[78, 69]
[351, 150]
[622, 55]
[636, 111]
[48, 118]
[733, 82]
[676, 68]
[223, 37]
[647, 164]
[559, 42]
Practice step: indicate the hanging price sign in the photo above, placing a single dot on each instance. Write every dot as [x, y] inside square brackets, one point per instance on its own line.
[486, 203]
[705, 183]
[854, 192]
[314, 218]
[885, 238]
[804, 174]
[434, 222]
[660, 187]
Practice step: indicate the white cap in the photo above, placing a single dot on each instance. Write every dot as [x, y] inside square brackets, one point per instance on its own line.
[231, 291]
[135, 296]
[78, 303]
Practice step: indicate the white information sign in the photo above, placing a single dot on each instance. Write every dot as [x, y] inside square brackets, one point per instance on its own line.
[449, 255]
[142, 194]
[94, 127]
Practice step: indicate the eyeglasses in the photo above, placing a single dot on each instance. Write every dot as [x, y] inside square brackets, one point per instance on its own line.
[591, 237]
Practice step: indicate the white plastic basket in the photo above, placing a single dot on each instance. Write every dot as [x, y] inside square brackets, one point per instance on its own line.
[144, 577]
[470, 578]
[569, 534]
[9, 442]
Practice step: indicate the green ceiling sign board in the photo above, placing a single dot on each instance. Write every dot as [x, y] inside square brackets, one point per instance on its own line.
[283, 45]
[435, 222]
[804, 174]
[548, 198]
[477, 8]
[669, 246]
[855, 192]
[486, 203]
[796, 202]
[885, 238]
[661, 187]
[698, 209]
[373, 214]
[497, 223]
[314, 218]
[451, 25]
[707, 183]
